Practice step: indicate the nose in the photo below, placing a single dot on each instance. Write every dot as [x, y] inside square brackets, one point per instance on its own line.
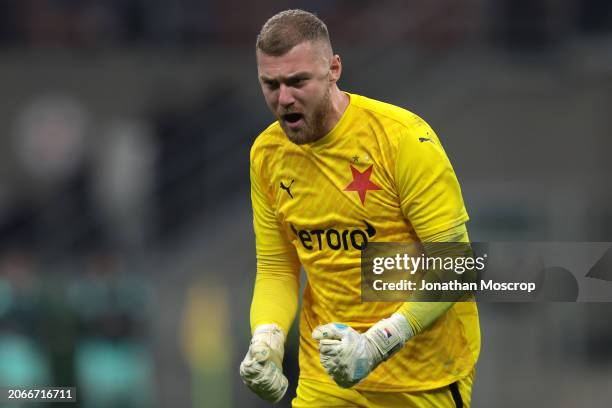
[285, 97]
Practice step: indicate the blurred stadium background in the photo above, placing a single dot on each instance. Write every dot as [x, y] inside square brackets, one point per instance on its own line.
[127, 258]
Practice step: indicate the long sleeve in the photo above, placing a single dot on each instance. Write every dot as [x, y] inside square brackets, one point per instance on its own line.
[430, 198]
[275, 297]
[421, 315]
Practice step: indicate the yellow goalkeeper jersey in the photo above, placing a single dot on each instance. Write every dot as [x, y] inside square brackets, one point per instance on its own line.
[381, 175]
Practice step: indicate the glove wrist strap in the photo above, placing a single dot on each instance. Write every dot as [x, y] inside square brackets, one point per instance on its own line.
[389, 335]
[272, 336]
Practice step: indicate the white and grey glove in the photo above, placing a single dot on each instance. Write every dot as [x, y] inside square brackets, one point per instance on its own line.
[349, 356]
[262, 367]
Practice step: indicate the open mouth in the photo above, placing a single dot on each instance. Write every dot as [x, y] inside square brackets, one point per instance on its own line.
[292, 118]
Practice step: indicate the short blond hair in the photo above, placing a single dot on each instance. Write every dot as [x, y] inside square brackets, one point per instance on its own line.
[285, 30]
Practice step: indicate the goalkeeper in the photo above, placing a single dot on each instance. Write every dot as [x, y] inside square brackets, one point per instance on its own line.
[335, 171]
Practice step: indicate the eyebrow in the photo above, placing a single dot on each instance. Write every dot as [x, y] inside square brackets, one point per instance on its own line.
[286, 79]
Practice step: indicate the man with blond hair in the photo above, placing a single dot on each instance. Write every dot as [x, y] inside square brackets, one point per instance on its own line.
[335, 171]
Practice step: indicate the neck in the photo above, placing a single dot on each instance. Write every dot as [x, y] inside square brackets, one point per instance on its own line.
[339, 103]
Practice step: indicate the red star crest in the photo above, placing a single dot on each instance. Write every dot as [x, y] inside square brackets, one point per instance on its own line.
[361, 183]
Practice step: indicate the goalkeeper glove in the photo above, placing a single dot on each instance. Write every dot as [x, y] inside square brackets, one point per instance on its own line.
[348, 356]
[262, 367]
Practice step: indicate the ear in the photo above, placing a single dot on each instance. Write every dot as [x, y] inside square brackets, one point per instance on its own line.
[335, 68]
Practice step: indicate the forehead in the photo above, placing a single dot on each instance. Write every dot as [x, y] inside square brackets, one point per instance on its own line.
[304, 57]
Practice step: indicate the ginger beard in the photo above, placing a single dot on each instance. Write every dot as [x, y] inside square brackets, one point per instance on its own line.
[309, 127]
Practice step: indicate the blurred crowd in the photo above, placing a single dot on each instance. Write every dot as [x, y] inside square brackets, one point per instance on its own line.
[124, 183]
[85, 323]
